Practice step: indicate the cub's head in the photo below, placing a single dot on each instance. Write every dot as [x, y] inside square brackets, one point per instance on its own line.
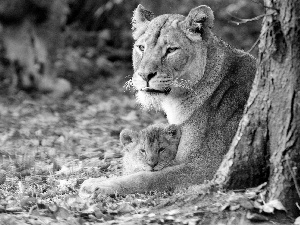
[151, 149]
[169, 53]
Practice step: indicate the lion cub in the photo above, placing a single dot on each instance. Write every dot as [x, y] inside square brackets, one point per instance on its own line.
[151, 149]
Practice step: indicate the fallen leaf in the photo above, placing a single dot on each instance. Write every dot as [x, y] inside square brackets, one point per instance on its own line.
[130, 116]
[227, 205]
[3, 202]
[75, 202]
[14, 209]
[257, 205]
[199, 213]
[2, 208]
[99, 214]
[53, 207]
[109, 154]
[267, 208]
[62, 213]
[234, 207]
[34, 211]
[255, 217]
[276, 204]
[173, 212]
[21, 187]
[92, 217]
[258, 188]
[67, 169]
[125, 208]
[35, 142]
[170, 218]
[28, 202]
[64, 185]
[245, 203]
[250, 194]
[297, 221]
[2, 176]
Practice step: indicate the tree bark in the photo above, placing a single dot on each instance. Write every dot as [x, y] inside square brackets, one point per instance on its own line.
[267, 144]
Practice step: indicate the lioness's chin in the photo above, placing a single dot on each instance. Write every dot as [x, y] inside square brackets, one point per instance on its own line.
[150, 100]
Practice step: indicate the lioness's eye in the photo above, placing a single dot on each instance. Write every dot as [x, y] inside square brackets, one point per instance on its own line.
[142, 150]
[171, 49]
[141, 47]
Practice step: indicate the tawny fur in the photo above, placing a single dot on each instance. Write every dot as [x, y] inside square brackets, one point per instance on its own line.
[151, 149]
[206, 84]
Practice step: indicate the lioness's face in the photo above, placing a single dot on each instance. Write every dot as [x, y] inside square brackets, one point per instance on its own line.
[169, 55]
[161, 57]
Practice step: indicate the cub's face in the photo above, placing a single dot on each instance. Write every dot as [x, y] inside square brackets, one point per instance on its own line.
[169, 55]
[152, 149]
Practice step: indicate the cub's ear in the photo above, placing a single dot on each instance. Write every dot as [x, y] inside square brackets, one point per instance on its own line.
[173, 131]
[198, 23]
[141, 18]
[127, 137]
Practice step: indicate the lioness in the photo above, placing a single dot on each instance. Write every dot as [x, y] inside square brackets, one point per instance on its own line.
[151, 149]
[199, 81]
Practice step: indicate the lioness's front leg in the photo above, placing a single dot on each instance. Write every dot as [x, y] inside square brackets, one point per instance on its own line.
[132, 183]
[144, 181]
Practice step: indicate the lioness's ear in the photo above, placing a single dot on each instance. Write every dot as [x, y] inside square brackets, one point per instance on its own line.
[127, 136]
[198, 23]
[141, 18]
[173, 131]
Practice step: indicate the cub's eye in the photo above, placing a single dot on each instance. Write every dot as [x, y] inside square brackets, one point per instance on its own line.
[142, 151]
[171, 49]
[161, 149]
[141, 47]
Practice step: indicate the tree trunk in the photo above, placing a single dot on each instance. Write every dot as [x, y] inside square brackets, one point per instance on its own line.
[267, 144]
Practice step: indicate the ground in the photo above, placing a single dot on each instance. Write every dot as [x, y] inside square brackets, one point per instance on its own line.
[48, 147]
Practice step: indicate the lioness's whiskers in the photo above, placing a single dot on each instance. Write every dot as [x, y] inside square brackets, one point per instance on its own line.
[128, 85]
[186, 84]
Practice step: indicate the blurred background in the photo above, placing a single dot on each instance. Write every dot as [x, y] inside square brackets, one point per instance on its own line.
[55, 46]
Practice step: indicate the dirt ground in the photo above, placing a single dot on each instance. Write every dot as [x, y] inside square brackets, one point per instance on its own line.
[48, 147]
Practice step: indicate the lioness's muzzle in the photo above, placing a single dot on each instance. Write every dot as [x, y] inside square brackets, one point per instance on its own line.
[151, 90]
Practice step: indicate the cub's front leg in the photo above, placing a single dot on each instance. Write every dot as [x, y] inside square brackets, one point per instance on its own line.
[133, 183]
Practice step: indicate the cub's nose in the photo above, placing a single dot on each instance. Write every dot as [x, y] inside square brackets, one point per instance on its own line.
[152, 162]
[147, 76]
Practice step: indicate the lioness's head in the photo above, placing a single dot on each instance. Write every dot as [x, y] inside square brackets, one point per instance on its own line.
[169, 53]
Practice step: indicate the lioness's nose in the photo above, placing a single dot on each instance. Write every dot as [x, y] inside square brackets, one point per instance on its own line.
[147, 76]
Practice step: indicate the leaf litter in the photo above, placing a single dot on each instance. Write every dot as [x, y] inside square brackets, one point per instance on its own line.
[49, 147]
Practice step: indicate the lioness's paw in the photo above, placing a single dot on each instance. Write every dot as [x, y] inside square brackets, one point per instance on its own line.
[95, 186]
[108, 187]
[87, 188]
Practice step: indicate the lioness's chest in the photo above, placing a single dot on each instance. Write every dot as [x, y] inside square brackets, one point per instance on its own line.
[191, 140]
